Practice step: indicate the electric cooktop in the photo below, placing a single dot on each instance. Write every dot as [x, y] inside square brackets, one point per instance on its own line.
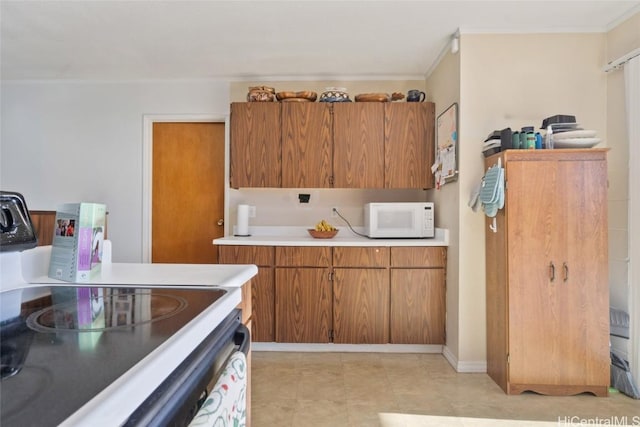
[62, 350]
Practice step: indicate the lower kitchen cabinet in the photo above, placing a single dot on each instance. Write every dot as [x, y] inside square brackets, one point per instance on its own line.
[418, 295]
[360, 295]
[346, 295]
[417, 306]
[303, 294]
[303, 305]
[262, 286]
[360, 306]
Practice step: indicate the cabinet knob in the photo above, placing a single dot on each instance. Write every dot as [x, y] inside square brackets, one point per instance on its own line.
[221, 221]
[552, 271]
[565, 270]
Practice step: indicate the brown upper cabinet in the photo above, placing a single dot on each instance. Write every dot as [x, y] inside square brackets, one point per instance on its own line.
[255, 152]
[409, 138]
[307, 145]
[324, 145]
[358, 145]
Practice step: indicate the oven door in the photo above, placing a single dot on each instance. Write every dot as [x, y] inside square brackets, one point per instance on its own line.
[177, 400]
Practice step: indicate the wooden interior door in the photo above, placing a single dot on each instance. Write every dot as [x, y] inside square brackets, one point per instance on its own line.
[188, 192]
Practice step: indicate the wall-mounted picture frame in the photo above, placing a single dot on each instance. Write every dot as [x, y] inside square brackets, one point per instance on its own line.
[446, 166]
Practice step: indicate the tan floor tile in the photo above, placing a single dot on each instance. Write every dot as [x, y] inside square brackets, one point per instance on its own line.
[366, 414]
[320, 413]
[321, 386]
[273, 413]
[352, 389]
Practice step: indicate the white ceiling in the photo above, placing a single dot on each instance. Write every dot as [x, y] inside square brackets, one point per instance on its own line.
[249, 40]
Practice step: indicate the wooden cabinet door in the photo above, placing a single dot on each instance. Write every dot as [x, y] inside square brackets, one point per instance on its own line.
[358, 145]
[361, 306]
[303, 305]
[409, 144]
[255, 145]
[263, 299]
[306, 145]
[262, 286]
[583, 272]
[417, 306]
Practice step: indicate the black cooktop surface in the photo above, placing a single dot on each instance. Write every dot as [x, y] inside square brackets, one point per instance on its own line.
[64, 349]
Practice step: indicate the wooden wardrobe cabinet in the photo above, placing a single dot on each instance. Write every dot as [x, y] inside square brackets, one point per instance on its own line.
[547, 274]
[255, 151]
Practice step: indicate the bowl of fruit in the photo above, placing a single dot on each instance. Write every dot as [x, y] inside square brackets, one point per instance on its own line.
[323, 230]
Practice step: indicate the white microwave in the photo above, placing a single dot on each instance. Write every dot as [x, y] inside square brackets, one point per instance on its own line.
[406, 220]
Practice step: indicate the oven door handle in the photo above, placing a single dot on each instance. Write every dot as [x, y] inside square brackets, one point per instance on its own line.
[242, 338]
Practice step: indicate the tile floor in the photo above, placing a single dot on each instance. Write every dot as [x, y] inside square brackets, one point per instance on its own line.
[351, 389]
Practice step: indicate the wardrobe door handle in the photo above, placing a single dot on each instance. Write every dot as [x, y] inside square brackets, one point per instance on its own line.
[565, 270]
[552, 271]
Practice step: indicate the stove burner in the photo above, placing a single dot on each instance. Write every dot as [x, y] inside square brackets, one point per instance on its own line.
[15, 341]
[100, 309]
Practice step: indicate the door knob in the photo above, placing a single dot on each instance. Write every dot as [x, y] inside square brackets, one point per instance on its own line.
[221, 221]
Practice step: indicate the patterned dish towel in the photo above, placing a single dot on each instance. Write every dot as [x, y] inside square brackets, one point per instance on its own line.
[226, 406]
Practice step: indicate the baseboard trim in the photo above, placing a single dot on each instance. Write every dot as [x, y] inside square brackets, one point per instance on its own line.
[464, 366]
[347, 348]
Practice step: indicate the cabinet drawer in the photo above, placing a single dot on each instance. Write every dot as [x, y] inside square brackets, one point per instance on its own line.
[411, 256]
[259, 255]
[360, 257]
[303, 256]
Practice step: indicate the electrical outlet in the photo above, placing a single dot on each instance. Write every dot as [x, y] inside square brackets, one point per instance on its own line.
[252, 211]
[334, 211]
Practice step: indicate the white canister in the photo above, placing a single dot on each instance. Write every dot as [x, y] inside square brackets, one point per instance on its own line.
[242, 224]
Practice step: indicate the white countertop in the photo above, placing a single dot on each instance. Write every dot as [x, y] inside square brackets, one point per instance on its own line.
[115, 403]
[298, 236]
[159, 275]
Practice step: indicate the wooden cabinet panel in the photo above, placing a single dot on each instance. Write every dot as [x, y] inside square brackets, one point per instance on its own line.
[262, 286]
[361, 306]
[417, 306]
[409, 144]
[358, 145]
[303, 256]
[263, 299]
[258, 255]
[44, 223]
[360, 257]
[303, 305]
[255, 150]
[245, 304]
[547, 318]
[423, 257]
[307, 145]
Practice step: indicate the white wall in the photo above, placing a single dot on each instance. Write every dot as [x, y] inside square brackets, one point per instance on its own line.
[443, 88]
[512, 81]
[82, 141]
[620, 40]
